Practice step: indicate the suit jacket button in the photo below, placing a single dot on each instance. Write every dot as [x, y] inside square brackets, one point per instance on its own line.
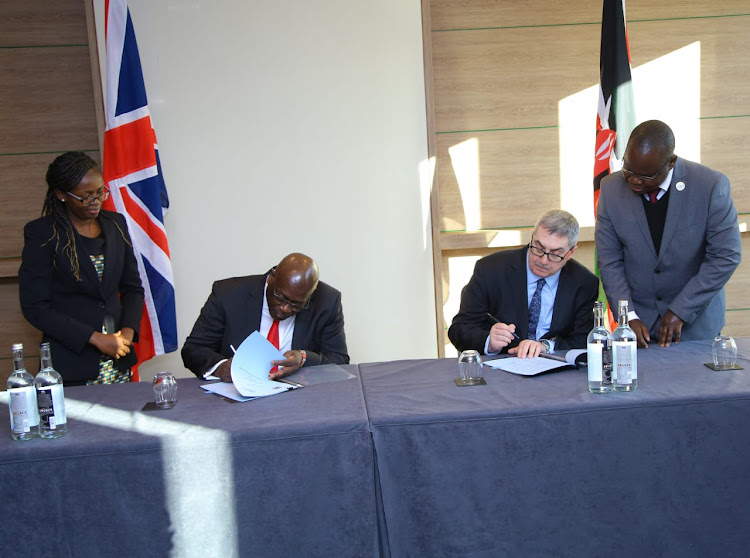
[658, 298]
[101, 305]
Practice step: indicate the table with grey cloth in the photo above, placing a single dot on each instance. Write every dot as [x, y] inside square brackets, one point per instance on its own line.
[398, 461]
[288, 475]
[538, 466]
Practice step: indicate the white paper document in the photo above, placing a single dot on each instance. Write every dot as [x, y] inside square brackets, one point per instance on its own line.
[251, 364]
[535, 365]
[225, 390]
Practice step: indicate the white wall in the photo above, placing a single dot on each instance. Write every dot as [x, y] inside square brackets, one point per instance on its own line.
[295, 125]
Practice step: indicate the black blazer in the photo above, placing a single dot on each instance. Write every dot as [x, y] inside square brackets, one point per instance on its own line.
[69, 311]
[233, 311]
[498, 286]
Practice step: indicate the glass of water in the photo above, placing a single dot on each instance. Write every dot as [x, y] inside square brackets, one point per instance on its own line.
[724, 352]
[470, 367]
[165, 389]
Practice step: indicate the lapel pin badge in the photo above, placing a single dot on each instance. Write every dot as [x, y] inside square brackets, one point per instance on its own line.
[680, 186]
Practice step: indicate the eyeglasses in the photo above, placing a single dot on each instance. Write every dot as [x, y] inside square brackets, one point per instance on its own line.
[554, 258]
[102, 195]
[628, 173]
[296, 306]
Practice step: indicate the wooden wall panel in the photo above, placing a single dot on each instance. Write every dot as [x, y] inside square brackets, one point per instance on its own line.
[41, 22]
[724, 69]
[48, 100]
[723, 144]
[473, 14]
[15, 329]
[510, 78]
[509, 163]
[482, 79]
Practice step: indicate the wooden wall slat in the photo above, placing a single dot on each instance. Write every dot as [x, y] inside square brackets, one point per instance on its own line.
[723, 145]
[13, 326]
[472, 14]
[528, 161]
[482, 79]
[738, 287]
[23, 186]
[724, 90]
[519, 174]
[48, 100]
[738, 324]
[42, 22]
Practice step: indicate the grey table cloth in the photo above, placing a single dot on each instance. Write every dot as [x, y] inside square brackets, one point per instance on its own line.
[397, 461]
[538, 466]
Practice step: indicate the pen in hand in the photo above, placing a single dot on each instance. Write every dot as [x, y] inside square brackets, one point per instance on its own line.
[515, 335]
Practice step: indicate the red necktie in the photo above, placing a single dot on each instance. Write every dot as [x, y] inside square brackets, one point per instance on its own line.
[273, 338]
[652, 196]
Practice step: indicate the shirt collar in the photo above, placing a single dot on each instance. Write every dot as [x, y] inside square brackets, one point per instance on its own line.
[664, 186]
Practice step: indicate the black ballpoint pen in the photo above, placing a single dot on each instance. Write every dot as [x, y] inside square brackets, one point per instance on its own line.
[498, 321]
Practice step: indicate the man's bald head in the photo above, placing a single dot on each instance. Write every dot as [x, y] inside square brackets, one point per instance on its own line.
[291, 284]
[298, 272]
[652, 135]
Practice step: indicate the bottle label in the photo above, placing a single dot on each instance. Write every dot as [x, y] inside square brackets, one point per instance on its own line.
[607, 366]
[51, 406]
[594, 360]
[23, 410]
[624, 369]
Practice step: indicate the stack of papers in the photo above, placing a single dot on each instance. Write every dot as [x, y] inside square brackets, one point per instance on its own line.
[250, 367]
[536, 365]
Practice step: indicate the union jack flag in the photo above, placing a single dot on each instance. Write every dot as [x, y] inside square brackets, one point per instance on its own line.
[132, 170]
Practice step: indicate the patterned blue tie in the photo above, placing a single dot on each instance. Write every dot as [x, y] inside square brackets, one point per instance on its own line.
[535, 307]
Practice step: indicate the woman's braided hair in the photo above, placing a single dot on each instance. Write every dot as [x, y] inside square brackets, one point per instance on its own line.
[64, 174]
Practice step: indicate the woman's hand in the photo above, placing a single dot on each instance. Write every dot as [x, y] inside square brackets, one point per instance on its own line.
[115, 345]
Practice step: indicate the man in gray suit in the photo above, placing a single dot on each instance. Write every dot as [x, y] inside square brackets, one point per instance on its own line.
[667, 240]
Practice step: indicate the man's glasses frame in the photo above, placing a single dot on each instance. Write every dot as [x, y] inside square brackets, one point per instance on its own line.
[540, 253]
[646, 178]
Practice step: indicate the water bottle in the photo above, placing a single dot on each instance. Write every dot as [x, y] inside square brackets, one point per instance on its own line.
[50, 397]
[624, 352]
[24, 414]
[599, 354]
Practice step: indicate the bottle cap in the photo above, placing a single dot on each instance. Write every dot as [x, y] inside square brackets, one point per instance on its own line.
[17, 347]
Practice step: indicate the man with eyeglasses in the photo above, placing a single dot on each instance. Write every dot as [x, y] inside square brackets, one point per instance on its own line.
[289, 306]
[667, 240]
[529, 300]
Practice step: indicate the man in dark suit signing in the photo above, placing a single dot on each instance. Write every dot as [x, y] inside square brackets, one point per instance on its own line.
[529, 300]
[288, 305]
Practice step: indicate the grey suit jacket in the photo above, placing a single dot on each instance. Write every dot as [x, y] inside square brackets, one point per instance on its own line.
[699, 251]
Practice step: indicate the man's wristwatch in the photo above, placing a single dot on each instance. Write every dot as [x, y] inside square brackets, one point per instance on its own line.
[547, 345]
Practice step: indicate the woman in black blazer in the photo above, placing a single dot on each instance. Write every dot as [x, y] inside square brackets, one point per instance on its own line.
[79, 280]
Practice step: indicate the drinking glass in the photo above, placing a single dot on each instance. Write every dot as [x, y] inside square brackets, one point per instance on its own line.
[724, 352]
[165, 389]
[470, 367]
